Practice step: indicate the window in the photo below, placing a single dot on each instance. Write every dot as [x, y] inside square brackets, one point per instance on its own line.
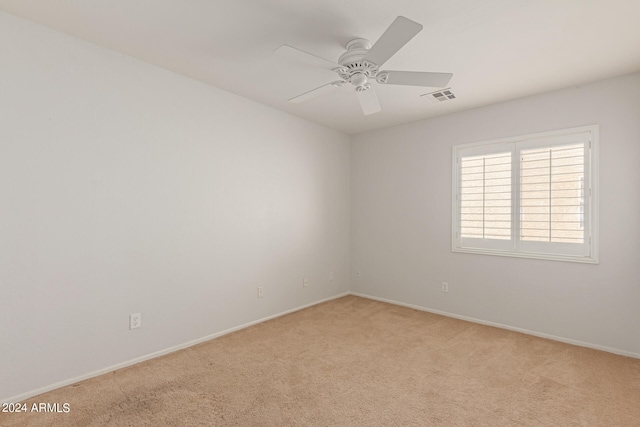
[533, 196]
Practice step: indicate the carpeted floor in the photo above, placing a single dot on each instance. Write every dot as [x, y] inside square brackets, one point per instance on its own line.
[357, 362]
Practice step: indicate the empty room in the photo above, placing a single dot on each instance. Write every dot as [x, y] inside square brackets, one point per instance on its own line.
[319, 213]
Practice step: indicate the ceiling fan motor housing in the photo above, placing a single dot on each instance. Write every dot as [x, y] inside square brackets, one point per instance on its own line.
[355, 70]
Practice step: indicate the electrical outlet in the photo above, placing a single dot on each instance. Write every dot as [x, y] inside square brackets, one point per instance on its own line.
[260, 291]
[331, 276]
[445, 287]
[305, 282]
[358, 275]
[135, 321]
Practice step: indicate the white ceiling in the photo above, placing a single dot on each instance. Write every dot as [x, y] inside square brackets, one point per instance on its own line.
[497, 49]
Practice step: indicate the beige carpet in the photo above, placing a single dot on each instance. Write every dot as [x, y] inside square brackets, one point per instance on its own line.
[357, 362]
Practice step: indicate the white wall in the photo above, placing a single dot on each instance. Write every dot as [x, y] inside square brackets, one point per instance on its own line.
[401, 221]
[125, 188]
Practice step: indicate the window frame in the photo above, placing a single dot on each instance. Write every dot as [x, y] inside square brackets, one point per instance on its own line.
[586, 252]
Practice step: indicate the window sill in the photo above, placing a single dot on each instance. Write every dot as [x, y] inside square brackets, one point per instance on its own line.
[551, 257]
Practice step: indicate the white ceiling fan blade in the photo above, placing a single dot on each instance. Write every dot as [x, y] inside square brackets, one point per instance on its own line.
[397, 35]
[316, 92]
[415, 78]
[368, 101]
[291, 53]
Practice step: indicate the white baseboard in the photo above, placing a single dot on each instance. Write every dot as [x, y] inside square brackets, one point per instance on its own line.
[23, 396]
[502, 326]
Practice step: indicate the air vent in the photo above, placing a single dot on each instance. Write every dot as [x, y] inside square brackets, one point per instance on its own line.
[440, 95]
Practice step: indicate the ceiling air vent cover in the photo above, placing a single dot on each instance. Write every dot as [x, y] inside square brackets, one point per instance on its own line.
[440, 95]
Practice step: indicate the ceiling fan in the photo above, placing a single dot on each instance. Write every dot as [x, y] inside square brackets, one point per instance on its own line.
[361, 63]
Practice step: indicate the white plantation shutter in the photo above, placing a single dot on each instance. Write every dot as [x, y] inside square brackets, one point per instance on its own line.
[485, 196]
[552, 194]
[532, 196]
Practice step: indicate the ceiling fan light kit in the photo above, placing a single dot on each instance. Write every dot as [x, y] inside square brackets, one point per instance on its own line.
[362, 61]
